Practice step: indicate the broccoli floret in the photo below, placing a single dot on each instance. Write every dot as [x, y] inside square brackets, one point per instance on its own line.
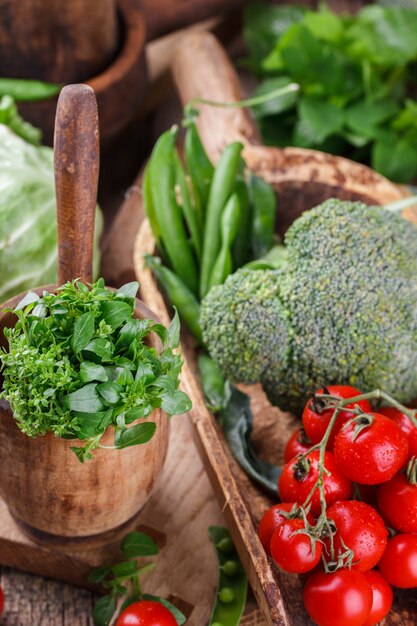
[344, 310]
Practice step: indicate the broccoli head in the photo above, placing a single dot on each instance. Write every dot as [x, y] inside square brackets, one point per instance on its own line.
[342, 309]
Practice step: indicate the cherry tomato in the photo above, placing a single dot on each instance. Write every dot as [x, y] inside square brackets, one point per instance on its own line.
[297, 444]
[316, 418]
[343, 598]
[360, 528]
[382, 597]
[293, 551]
[375, 454]
[146, 613]
[299, 477]
[1, 601]
[270, 520]
[406, 425]
[398, 564]
[397, 501]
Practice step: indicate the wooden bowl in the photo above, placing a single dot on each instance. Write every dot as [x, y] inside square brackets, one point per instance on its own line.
[302, 179]
[119, 88]
[58, 500]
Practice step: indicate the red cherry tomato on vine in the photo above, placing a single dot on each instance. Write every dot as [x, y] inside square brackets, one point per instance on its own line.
[374, 455]
[382, 597]
[398, 564]
[146, 613]
[397, 501]
[293, 551]
[299, 477]
[343, 598]
[360, 528]
[316, 418]
[270, 520]
[406, 425]
[297, 444]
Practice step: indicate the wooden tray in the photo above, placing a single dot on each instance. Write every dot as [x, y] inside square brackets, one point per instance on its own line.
[301, 178]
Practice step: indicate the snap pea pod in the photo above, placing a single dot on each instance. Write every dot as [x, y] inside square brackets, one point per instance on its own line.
[222, 186]
[167, 211]
[190, 215]
[223, 265]
[215, 387]
[178, 293]
[198, 163]
[149, 205]
[26, 90]
[232, 585]
[263, 202]
[241, 244]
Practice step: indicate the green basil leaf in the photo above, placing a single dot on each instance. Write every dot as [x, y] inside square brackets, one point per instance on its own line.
[176, 403]
[100, 349]
[129, 290]
[141, 433]
[137, 544]
[133, 329]
[83, 331]
[115, 312]
[82, 454]
[29, 298]
[126, 568]
[84, 400]
[318, 119]
[125, 377]
[161, 331]
[92, 371]
[145, 371]
[91, 424]
[99, 574]
[104, 610]
[173, 333]
[180, 617]
[137, 412]
[109, 392]
[364, 117]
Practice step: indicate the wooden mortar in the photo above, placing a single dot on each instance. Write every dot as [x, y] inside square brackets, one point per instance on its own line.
[55, 498]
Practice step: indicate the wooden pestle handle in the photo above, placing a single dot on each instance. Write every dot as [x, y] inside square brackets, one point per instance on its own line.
[76, 158]
[202, 69]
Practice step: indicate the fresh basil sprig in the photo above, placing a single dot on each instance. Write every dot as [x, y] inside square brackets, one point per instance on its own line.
[122, 580]
[79, 361]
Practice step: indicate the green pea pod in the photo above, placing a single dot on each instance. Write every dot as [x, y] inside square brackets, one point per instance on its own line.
[263, 202]
[232, 585]
[149, 205]
[27, 90]
[168, 213]
[241, 244]
[216, 388]
[222, 187]
[198, 164]
[178, 293]
[190, 215]
[223, 265]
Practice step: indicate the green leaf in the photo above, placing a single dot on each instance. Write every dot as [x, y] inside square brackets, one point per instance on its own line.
[82, 454]
[99, 574]
[173, 333]
[104, 610]
[125, 568]
[137, 544]
[91, 424]
[145, 371]
[84, 400]
[125, 377]
[176, 403]
[136, 435]
[109, 392]
[115, 312]
[395, 157]
[129, 290]
[318, 120]
[325, 25]
[92, 371]
[83, 331]
[364, 117]
[180, 617]
[29, 298]
[100, 349]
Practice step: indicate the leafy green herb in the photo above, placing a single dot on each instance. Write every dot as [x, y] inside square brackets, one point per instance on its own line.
[356, 76]
[78, 361]
[122, 580]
